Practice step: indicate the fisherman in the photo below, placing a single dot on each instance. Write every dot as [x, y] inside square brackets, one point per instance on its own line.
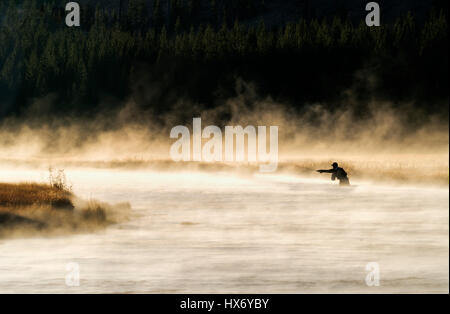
[338, 173]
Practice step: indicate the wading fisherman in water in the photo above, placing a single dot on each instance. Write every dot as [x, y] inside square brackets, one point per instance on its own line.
[338, 173]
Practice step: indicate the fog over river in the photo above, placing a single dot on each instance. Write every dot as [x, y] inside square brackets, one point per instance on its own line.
[212, 232]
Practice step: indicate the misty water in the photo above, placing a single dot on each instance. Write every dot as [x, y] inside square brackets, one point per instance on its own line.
[223, 233]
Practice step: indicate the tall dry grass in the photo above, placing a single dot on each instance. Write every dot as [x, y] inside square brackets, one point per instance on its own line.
[30, 208]
[32, 194]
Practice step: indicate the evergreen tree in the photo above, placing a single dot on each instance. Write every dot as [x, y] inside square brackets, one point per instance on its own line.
[158, 19]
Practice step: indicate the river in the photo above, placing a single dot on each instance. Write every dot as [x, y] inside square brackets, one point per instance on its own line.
[195, 232]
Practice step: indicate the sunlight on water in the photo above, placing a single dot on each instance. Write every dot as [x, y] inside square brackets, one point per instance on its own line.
[220, 233]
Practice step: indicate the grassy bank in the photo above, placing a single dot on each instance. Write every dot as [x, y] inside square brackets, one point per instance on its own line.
[16, 196]
[31, 208]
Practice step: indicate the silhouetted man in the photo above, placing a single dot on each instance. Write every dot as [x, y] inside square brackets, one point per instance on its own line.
[338, 173]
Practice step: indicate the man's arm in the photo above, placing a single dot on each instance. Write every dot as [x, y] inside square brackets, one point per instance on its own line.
[326, 171]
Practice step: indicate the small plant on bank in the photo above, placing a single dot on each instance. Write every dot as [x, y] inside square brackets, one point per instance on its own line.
[58, 180]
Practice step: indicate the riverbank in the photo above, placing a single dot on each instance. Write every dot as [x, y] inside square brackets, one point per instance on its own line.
[422, 170]
[31, 208]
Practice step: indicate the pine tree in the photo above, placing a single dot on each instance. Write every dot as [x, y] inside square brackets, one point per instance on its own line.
[163, 43]
[158, 19]
[178, 26]
[137, 15]
[209, 43]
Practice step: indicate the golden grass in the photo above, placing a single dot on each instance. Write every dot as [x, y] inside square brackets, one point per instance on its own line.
[31, 208]
[32, 194]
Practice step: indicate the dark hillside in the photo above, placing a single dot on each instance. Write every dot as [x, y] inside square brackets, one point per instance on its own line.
[286, 49]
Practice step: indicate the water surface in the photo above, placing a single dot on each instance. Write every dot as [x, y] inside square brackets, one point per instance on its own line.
[222, 233]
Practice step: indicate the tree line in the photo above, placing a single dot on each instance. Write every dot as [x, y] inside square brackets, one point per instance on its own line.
[306, 61]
